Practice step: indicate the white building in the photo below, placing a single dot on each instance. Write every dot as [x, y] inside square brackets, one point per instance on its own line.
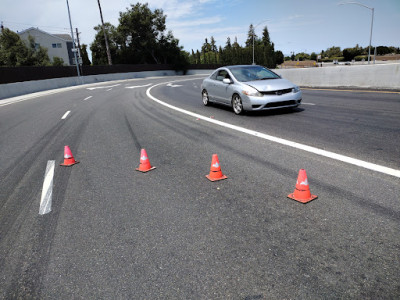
[59, 45]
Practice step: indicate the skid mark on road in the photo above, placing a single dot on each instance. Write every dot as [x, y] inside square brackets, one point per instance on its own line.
[321, 152]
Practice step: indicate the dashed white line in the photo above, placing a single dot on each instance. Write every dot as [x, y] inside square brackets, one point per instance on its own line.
[173, 85]
[102, 87]
[332, 155]
[47, 190]
[108, 90]
[87, 98]
[304, 103]
[137, 86]
[65, 115]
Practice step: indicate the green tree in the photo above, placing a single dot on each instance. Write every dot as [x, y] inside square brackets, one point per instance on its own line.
[269, 50]
[84, 55]
[333, 52]
[12, 48]
[250, 35]
[142, 37]
[99, 54]
[279, 58]
[16, 52]
[57, 61]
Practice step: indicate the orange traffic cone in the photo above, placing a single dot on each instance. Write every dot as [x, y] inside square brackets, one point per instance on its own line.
[302, 191]
[69, 160]
[215, 170]
[144, 165]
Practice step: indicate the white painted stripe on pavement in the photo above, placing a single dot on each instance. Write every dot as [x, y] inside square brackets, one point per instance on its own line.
[47, 190]
[103, 87]
[304, 103]
[137, 86]
[87, 98]
[65, 115]
[339, 157]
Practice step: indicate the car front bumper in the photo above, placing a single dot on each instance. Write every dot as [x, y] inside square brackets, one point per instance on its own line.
[268, 102]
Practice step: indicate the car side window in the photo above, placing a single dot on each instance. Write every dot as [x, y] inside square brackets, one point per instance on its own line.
[214, 76]
[222, 74]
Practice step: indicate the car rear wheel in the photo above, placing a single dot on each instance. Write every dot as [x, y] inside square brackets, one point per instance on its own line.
[206, 99]
[237, 104]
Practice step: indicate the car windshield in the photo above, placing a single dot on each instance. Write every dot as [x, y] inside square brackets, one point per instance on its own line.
[251, 73]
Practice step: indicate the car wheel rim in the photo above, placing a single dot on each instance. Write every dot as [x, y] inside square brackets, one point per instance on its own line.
[237, 105]
[205, 98]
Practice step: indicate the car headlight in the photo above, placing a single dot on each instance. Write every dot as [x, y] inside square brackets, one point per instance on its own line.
[296, 89]
[252, 92]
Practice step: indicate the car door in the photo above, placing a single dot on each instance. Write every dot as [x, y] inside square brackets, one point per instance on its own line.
[221, 91]
[211, 87]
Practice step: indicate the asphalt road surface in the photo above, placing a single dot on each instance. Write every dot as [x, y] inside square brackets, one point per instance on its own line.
[115, 233]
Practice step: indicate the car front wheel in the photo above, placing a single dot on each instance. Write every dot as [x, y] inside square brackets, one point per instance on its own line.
[237, 104]
[206, 100]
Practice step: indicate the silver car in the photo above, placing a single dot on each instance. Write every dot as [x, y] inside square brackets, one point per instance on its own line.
[249, 88]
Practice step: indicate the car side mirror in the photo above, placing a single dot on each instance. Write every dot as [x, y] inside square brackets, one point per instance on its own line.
[227, 81]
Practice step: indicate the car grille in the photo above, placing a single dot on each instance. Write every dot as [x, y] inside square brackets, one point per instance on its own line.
[281, 103]
[278, 92]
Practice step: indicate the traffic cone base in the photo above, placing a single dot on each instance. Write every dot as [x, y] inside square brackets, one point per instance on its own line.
[212, 177]
[144, 170]
[69, 159]
[298, 196]
[144, 165]
[302, 191]
[69, 162]
[215, 170]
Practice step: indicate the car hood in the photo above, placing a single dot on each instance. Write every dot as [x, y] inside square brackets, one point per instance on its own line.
[270, 84]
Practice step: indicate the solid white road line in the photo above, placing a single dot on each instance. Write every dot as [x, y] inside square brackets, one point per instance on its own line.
[304, 103]
[47, 190]
[65, 115]
[346, 159]
[87, 98]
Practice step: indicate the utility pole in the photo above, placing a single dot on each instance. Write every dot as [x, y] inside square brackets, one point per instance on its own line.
[73, 44]
[105, 35]
[79, 50]
[77, 38]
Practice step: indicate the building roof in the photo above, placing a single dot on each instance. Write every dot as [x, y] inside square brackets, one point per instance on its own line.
[64, 37]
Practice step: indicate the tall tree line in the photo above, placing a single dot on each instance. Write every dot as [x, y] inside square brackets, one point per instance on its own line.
[139, 38]
[233, 53]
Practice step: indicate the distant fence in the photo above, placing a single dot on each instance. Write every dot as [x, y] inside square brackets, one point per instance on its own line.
[20, 74]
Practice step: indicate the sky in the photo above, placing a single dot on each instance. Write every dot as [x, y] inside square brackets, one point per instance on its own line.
[294, 25]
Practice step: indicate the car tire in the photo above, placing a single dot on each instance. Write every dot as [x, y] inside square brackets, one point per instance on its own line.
[206, 99]
[237, 104]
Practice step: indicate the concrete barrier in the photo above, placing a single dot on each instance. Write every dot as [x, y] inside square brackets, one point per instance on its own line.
[365, 76]
[22, 88]
[385, 76]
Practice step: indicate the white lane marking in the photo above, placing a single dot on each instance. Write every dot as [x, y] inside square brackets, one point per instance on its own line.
[304, 103]
[87, 98]
[47, 190]
[103, 87]
[65, 115]
[137, 86]
[173, 85]
[346, 159]
[108, 90]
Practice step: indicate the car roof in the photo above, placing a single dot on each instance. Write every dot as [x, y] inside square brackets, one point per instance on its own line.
[241, 66]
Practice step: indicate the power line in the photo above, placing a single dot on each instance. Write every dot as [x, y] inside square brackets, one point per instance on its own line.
[37, 26]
